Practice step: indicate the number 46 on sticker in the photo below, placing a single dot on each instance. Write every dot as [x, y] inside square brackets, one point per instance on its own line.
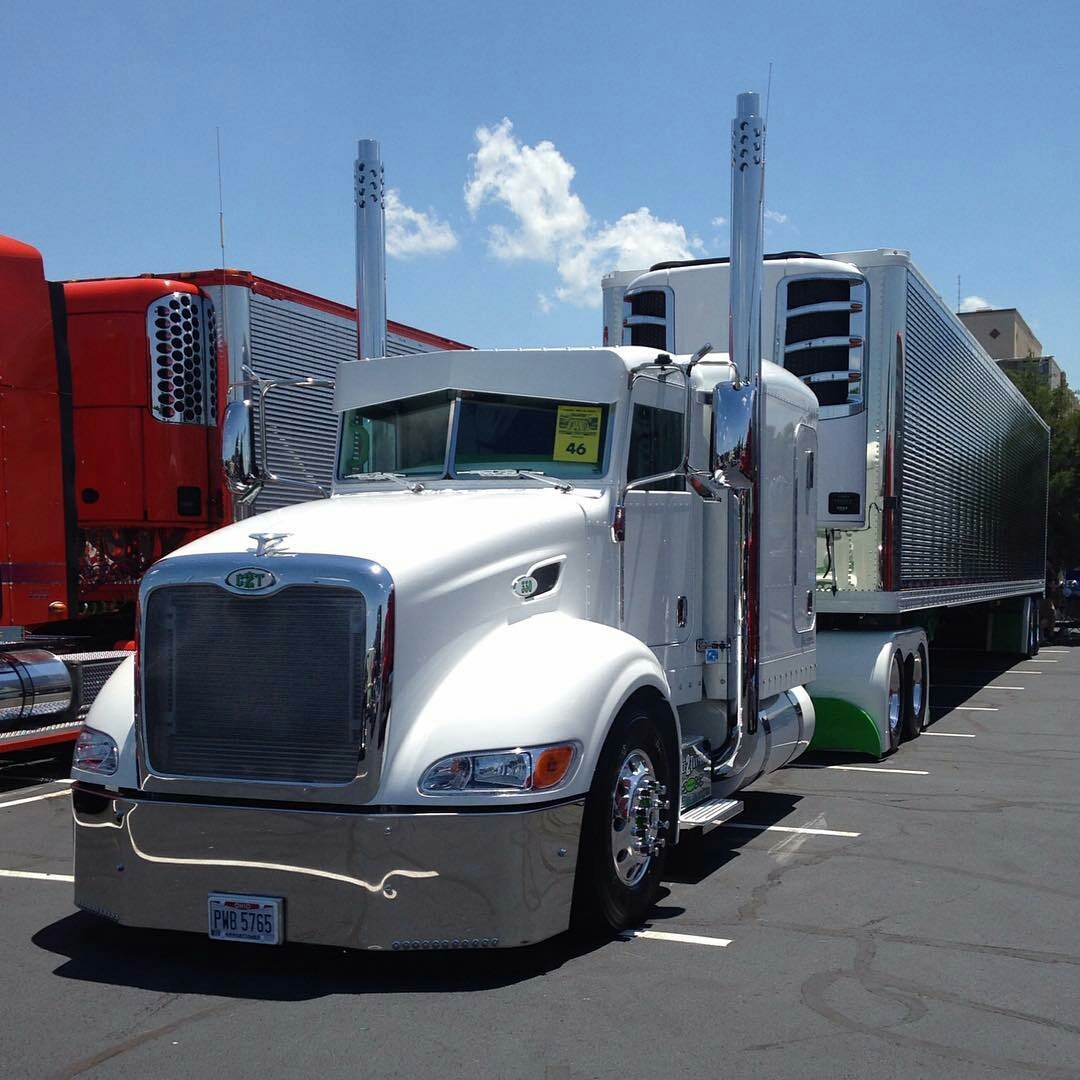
[577, 433]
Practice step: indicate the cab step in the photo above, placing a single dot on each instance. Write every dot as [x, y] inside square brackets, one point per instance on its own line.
[710, 813]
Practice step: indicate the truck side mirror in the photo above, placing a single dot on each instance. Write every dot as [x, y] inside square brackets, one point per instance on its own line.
[238, 452]
[733, 415]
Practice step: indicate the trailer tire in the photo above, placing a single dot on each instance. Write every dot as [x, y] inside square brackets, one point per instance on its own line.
[916, 696]
[1033, 628]
[634, 786]
[895, 701]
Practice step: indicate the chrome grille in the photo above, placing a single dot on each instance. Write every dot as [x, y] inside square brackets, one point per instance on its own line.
[256, 688]
[183, 354]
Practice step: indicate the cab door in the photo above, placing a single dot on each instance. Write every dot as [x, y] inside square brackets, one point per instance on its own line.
[661, 551]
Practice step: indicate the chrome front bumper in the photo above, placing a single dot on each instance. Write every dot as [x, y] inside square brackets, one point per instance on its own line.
[358, 880]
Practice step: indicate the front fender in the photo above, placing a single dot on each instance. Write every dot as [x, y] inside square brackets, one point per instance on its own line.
[550, 678]
[113, 712]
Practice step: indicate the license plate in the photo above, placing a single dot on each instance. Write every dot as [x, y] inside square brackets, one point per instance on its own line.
[256, 919]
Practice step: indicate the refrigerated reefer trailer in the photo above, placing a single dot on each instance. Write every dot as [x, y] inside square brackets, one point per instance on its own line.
[932, 469]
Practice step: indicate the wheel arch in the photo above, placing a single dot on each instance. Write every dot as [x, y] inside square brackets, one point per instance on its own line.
[549, 678]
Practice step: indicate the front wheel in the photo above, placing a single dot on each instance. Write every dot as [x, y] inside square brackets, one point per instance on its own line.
[629, 818]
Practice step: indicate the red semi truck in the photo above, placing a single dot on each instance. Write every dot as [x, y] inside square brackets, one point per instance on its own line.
[111, 397]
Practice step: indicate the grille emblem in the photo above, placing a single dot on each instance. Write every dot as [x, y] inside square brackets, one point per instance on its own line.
[250, 579]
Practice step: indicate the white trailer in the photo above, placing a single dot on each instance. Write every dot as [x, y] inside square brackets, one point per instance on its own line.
[452, 705]
[932, 486]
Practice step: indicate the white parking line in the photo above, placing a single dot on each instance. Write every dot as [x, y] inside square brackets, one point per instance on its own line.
[1037, 660]
[873, 768]
[37, 877]
[1055, 650]
[686, 939]
[975, 686]
[949, 734]
[37, 798]
[964, 708]
[786, 829]
[1028, 671]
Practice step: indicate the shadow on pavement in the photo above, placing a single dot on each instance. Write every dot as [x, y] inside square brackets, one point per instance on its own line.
[170, 962]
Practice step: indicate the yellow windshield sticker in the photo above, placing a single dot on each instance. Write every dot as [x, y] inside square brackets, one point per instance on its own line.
[577, 433]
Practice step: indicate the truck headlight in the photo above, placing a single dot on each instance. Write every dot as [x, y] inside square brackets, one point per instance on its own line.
[535, 768]
[95, 752]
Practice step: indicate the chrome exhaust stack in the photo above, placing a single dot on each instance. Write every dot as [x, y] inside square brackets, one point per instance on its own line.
[370, 252]
[738, 418]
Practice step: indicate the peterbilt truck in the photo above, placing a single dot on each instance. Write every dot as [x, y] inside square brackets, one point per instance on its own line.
[932, 471]
[558, 611]
[111, 395]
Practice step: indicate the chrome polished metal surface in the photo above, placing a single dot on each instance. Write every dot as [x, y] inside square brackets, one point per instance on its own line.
[33, 683]
[238, 451]
[637, 808]
[369, 881]
[744, 308]
[973, 483]
[733, 418]
[182, 334]
[747, 208]
[370, 251]
[234, 715]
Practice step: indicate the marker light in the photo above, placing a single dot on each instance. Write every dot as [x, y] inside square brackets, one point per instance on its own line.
[95, 752]
[538, 768]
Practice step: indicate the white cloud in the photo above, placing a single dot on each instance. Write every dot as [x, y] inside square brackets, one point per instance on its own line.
[719, 222]
[533, 183]
[776, 217]
[413, 232]
[551, 223]
[636, 240]
[975, 303]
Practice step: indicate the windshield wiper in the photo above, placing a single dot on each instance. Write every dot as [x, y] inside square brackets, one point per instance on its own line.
[400, 478]
[524, 474]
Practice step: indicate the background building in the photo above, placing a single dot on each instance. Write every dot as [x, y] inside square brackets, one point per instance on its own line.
[1003, 333]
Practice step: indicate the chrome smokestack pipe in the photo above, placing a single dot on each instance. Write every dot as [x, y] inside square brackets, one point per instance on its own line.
[370, 252]
[744, 348]
[747, 207]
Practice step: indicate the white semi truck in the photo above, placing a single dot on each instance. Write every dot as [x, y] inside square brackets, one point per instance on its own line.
[559, 608]
[932, 470]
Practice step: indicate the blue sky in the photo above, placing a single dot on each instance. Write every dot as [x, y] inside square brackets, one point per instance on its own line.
[534, 146]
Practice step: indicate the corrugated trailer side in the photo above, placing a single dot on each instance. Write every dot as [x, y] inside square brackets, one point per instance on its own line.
[972, 460]
[274, 333]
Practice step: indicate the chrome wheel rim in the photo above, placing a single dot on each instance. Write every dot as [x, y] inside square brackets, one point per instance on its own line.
[896, 704]
[636, 817]
[918, 686]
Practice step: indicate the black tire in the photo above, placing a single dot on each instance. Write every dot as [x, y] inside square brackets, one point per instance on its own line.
[894, 702]
[1033, 630]
[916, 693]
[603, 900]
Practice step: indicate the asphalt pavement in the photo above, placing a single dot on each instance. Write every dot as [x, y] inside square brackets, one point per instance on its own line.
[914, 917]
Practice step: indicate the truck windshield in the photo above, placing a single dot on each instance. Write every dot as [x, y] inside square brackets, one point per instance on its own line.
[490, 432]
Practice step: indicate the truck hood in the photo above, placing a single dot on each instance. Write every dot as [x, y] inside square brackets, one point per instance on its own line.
[417, 536]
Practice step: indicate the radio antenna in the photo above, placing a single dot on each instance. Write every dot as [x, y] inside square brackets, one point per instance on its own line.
[768, 96]
[221, 240]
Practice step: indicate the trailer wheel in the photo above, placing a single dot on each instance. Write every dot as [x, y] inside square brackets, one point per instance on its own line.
[894, 703]
[1033, 628]
[629, 816]
[917, 696]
